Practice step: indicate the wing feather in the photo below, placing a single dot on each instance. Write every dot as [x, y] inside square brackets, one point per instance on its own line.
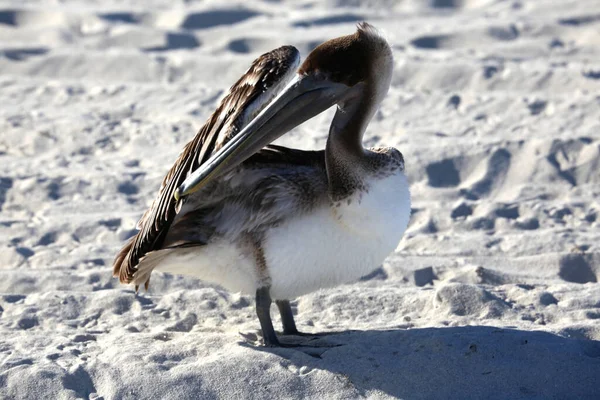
[267, 76]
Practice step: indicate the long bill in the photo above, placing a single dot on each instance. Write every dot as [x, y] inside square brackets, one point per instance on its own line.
[302, 99]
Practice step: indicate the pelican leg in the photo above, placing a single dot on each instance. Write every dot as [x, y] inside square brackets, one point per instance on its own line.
[263, 310]
[287, 317]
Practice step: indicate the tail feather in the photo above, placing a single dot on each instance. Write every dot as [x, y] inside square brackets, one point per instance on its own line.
[122, 267]
[146, 266]
[138, 274]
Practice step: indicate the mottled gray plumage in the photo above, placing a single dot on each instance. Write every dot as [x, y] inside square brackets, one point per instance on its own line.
[275, 183]
[272, 185]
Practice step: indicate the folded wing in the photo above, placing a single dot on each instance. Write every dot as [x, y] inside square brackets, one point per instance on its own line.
[267, 76]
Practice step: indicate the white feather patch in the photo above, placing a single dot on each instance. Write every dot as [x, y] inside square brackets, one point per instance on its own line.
[333, 246]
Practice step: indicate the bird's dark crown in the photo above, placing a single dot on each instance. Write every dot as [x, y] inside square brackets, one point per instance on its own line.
[348, 59]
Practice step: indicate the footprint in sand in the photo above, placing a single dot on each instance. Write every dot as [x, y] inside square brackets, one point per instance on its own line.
[579, 268]
[482, 38]
[32, 18]
[213, 18]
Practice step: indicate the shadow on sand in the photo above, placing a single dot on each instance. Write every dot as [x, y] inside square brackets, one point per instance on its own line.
[473, 362]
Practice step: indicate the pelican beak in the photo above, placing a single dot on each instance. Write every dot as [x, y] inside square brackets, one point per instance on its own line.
[302, 99]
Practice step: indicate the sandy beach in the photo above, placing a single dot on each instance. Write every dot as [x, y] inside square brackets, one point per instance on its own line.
[492, 293]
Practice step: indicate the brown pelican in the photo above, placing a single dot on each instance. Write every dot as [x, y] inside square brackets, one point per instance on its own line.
[273, 221]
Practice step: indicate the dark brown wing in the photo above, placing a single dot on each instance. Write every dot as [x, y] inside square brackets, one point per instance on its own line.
[266, 77]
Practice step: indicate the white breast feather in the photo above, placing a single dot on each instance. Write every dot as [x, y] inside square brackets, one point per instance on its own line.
[332, 246]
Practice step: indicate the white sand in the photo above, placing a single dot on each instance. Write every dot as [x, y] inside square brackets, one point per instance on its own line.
[492, 293]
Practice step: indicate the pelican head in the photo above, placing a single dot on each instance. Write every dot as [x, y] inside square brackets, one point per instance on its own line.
[351, 71]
